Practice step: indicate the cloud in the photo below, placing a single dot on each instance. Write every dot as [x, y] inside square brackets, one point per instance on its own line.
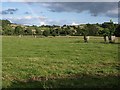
[28, 20]
[73, 23]
[9, 11]
[28, 17]
[27, 12]
[94, 8]
[43, 23]
[42, 18]
[112, 13]
[35, 20]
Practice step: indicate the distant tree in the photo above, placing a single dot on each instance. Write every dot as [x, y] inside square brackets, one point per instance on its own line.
[38, 31]
[1, 33]
[18, 30]
[79, 31]
[64, 25]
[8, 30]
[111, 27]
[62, 31]
[93, 30]
[85, 32]
[72, 32]
[46, 33]
[112, 31]
[105, 33]
[58, 31]
[117, 31]
[28, 31]
[5, 23]
[54, 33]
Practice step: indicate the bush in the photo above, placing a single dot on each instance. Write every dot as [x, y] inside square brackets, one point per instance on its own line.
[28, 31]
[18, 30]
[9, 30]
[38, 31]
[54, 33]
[46, 33]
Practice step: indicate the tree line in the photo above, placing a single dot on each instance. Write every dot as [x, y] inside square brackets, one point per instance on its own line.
[106, 29]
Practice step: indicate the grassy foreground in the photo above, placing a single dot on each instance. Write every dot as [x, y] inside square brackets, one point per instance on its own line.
[59, 62]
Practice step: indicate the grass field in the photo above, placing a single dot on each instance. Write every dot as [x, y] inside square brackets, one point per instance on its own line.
[59, 62]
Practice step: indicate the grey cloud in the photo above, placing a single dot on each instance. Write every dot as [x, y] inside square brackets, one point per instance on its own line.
[113, 13]
[26, 21]
[27, 13]
[94, 8]
[9, 11]
[56, 22]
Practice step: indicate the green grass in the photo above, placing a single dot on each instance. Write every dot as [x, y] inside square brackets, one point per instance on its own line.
[59, 62]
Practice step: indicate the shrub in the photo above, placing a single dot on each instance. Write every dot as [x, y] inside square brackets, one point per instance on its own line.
[46, 33]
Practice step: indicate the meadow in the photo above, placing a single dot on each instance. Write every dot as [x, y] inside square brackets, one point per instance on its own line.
[59, 62]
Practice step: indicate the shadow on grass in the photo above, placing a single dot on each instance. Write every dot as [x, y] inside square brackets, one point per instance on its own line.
[78, 41]
[74, 81]
[110, 43]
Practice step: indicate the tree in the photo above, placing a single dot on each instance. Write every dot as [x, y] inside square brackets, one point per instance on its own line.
[93, 30]
[117, 31]
[38, 31]
[62, 31]
[105, 33]
[8, 30]
[19, 30]
[112, 31]
[79, 31]
[111, 27]
[57, 31]
[5, 23]
[85, 32]
[28, 31]
[46, 33]
[1, 31]
[54, 33]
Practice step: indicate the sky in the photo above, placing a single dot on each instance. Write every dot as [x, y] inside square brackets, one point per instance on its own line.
[59, 13]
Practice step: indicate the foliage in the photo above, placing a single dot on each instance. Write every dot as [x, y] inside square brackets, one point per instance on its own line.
[19, 30]
[29, 31]
[104, 31]
[85, 30]
[54, 30]
[8, 30]
[5, 23]
[46, 33]
[110, 26]
[93, 30]
[111, 30]
[54, 33]
[117, 31]
[38, 31]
